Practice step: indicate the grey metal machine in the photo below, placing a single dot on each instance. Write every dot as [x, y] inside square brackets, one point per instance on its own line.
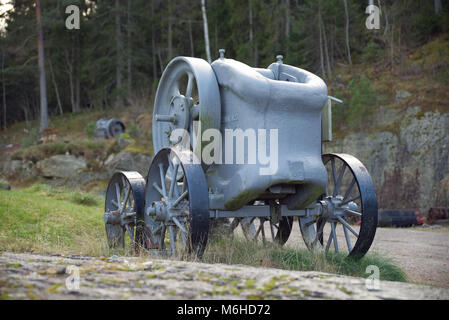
[244, 144]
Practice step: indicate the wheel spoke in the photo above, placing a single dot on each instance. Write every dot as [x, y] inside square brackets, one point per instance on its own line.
[189, 85]
[350, 200]
[117, 194]
[258, 230]
[162, 238]
[340, 176]
[115, 204]
[161, 171]
[155, 185]
[343, 222]
[179, 224]
[181, 197]
[234, 223]
[348, 240]
[173, 181]
[272, 231]
[262, 229]
[184, 239]
[172, 240]
[319, 232]
[130, 232]
[329, 241]
[158, 228]
[348, 192]
[334, 236]
[354, 213]
[125, 201]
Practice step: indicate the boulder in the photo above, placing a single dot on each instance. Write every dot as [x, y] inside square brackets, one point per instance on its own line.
[10, 167]
[4, 184]
[402, 94]
[129, 161]
[18, 169]
[61, 166]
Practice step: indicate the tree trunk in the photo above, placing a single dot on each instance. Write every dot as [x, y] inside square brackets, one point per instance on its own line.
[128, 34]
[153, 43]
[170, 31]
[4, 89]
[206, 30]
[438, 6]
[55, 85]
[287, 19]
[383, 10]
[348, 48]
[321, 44]
[251, 37]
[326, 51]
[192, 47]
[118, 44]
[70, 73]
[41, 62]
[76, 67]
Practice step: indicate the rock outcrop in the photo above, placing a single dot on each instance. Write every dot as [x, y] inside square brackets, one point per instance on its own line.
[408, 159]
[61, 166]
[29, 276]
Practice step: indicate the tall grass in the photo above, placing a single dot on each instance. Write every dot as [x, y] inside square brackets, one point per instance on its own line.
[42, 219]
[235, 250]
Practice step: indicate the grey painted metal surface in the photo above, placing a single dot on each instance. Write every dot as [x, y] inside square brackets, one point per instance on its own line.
[232, 95]
[288, 100]
[109, 128]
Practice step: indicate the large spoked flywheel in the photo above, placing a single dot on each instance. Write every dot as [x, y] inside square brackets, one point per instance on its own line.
[349, 219]
[187, 96]
[176, 205]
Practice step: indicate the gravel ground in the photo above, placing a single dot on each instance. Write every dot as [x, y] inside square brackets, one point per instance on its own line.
[422, 252]
[29, 276]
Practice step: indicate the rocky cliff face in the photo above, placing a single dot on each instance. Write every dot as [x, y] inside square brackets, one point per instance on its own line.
[407, 157]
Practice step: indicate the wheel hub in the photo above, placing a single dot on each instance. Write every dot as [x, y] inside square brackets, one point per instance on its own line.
[164, 211]
[333, 207]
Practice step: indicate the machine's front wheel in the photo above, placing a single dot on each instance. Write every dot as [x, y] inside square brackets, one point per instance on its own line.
[350, 202]
[176, 221]
[124, 202]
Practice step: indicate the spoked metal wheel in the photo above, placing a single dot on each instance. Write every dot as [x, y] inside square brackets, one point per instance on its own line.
[275, 229]
[176, 219]
[124, 203]
[349, 219]
[187, 95]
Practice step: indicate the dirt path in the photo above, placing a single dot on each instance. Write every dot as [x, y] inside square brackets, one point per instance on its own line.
[423, 253]
[28, 276]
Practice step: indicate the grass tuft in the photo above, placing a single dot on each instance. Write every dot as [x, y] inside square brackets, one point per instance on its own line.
[239, 251]
[85, 199]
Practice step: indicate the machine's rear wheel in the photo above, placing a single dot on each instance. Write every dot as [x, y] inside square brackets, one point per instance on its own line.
[265, 229]
[124, 202]
[176, 209]
[350, 202]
